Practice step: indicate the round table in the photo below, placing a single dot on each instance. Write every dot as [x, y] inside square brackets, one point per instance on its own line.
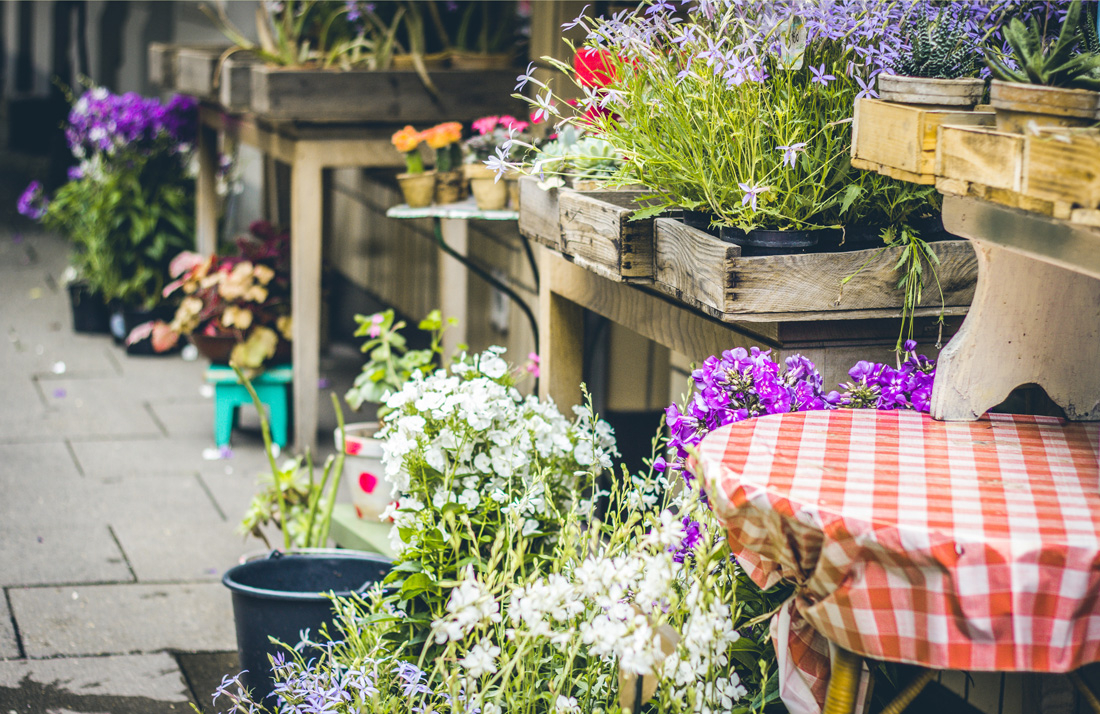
[950, 545]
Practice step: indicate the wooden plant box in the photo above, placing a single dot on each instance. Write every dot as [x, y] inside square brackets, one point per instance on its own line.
[162, 64]
[538, 213]
[195, 68]
[391, 96]
[235, 82]
[596, 230]
[899, 140]
[710, 274]
[1055, 173]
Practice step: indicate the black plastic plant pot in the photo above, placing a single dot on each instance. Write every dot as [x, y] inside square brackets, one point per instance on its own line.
[700, 220]
[762, 242]
[90, 313]
[282, 596]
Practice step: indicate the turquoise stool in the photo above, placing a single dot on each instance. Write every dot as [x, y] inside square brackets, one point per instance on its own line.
[229, 394]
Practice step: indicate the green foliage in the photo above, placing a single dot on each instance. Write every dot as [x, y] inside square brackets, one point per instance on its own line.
[939, 46]
[127, 222]
[291, 498]
[576, 157]
[1066, 61]
[389, 361]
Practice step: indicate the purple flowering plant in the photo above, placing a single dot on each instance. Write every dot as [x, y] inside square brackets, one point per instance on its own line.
[742, 384]
[128, 205]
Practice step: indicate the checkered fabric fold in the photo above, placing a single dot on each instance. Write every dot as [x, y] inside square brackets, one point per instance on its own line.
[971, 546]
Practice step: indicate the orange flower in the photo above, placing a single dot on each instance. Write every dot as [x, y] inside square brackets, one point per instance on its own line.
[443, 135]
[407, 139]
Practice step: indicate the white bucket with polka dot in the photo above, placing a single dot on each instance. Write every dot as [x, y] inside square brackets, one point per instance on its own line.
[363, 470]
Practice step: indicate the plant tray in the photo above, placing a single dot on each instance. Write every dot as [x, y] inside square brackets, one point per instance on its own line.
[195, 68]
[235, 82]
[596, 231]
[899, 140]
[711, 275]
[391, 96]
[1055, 172]
[162, 64]
[538, 213]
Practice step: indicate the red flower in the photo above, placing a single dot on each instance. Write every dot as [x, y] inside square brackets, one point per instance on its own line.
[594, 68]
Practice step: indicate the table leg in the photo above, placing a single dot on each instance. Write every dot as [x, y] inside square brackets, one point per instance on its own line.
[1086, 691]
[206, 194]
[305, 294]
[454, 284]
[840, 698]
[561, 341]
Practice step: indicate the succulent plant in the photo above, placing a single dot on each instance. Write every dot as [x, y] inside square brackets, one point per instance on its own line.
[1064, 62]
[939, 45]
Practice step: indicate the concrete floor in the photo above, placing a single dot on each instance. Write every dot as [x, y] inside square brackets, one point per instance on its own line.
[115, 528]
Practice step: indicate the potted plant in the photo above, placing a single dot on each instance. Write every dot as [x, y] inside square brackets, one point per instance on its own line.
[937, 64]
[444, 139]
[235, 309]
[1052, 82]
[491, 133]
[476, 34]
[390, 363]
[128, 205]
[417, 185]
[287, 594]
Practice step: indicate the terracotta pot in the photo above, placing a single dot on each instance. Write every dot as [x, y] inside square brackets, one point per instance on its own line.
[418, 189]
[473, 60]
[449, 187]
[489, 193]
[218, 348]
[1016, 104]
[513, 193]
[962, 93]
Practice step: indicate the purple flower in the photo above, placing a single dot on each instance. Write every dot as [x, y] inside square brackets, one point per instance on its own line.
[579, 19]
[692, 537]
[789, 152]
[751, 192]
[32, 203]
[866, 89]
[819, 75]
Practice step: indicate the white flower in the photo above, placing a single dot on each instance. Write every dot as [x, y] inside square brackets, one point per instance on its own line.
[470, 498]
[481, 659]
[470, 605]
[490, 708]
[530, 526]
[441, 498]
[566, 705]
[492, 366]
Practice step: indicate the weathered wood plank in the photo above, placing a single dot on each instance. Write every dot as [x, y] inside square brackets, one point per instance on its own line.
[195, 68]
[981, 156]
[538, 213]
[701, 269]
[925, 179]
[162, 64]
[393, 96]
[235, 82]
[903, 136]
[596, 229]
[1063, 166]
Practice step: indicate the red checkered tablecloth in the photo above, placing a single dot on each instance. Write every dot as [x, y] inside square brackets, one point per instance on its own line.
[972, 546]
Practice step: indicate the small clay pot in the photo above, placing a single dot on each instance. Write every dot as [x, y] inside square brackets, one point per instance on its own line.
[962, 93]
[418, 189]
[513, 193]
[449, 187]
[489, 193]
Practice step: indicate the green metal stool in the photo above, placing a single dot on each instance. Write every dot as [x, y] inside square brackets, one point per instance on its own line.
[229, 395]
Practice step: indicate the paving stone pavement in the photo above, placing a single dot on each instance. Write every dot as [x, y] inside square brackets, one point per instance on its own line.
[114, 528]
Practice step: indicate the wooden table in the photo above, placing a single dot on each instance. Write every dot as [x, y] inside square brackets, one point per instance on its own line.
[452, 233]
[566, 290]
[308, 149]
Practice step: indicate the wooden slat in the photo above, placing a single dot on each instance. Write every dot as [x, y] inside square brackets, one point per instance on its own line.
[703, 270]
[195, 67]
[394, 96]
[981, 156]
[235, 82]
[162, 63]
[1063, 166]
[538, 213]
[596, 229]
[903, 136]
[925, 179]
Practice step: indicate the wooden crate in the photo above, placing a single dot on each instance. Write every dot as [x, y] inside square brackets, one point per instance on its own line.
[195, 68]
[235, 82]
[596, 230]
[710, 274]
[1054, 173]
[162, 64]
[538, 213]
[391, 96]
[899, 140]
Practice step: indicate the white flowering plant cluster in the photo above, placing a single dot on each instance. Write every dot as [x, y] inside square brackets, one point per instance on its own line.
[465, 452]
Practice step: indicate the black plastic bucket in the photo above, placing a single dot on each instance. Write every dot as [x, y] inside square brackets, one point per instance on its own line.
[90, 314]
[280, 596]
